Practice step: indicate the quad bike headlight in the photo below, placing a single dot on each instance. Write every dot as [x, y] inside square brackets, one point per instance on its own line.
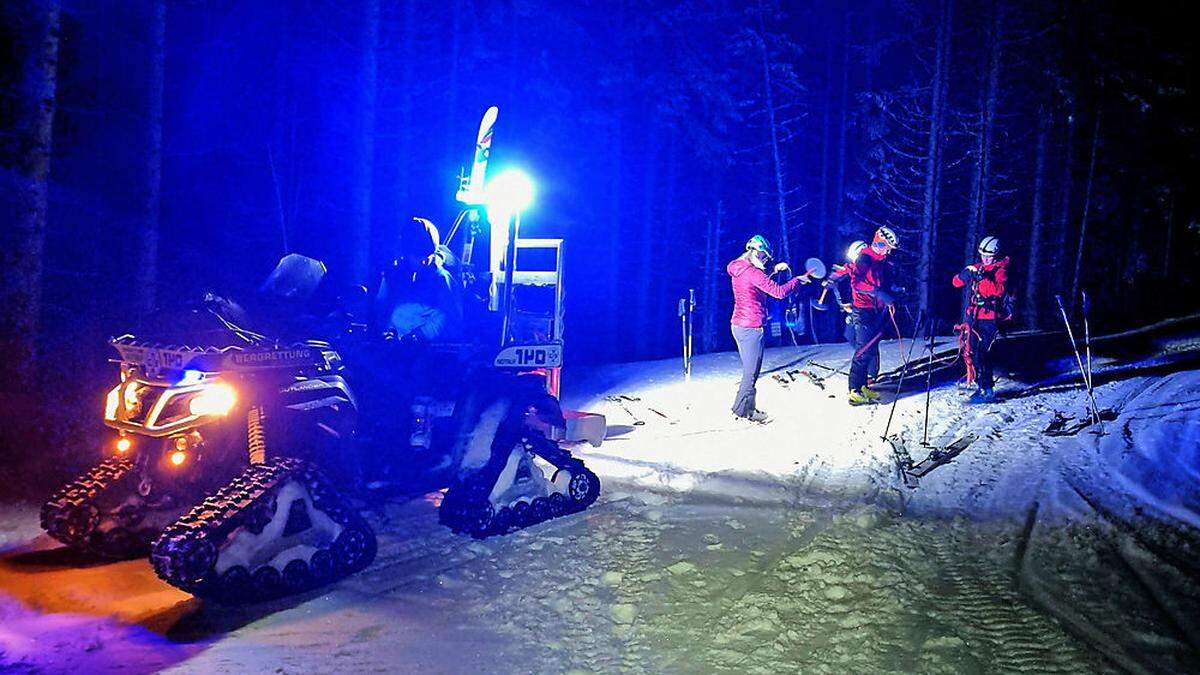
[157, 409]
[217, 399]
[111, 402]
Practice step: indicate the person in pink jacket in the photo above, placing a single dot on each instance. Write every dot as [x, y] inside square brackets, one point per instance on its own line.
[751, 287]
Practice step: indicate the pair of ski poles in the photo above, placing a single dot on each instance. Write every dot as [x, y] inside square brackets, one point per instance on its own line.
[687, 311]
[1085, 373]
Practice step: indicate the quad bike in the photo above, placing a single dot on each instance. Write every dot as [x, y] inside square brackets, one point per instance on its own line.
[236, 453]
[246, 435]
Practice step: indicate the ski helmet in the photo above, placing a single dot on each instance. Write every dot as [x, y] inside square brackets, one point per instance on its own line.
[989, 246]
[759, 243]
[855, 250]
[885, 235]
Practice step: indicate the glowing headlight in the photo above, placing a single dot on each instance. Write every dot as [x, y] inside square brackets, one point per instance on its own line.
[178, 457]
[123, 445]
[110, 403]
[216, 400]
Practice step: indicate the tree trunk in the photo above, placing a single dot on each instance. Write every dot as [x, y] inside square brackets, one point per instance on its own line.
[1166, 266]
[977, 223]
[23, 239]
[363, 150]
[668, 211]
[1087, 202]
[1036, 225]
[407, 84]
[146, 241]
[1065, 189]
[712, 275]
[933, 160]
[776, 161]
[644, 252]
[839, 214]
[823, 199]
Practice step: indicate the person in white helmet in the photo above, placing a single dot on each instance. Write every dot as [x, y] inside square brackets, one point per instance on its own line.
[752, 285]
[987, 304]
[831, 282]
[872, 294]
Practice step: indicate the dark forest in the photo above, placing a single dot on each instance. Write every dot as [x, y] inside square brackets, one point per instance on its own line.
[153, 150]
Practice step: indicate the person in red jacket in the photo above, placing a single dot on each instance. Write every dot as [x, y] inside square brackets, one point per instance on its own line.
[751, 288]
[871, 294]
[985, 282]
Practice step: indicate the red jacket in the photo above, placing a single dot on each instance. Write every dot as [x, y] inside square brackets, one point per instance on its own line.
[987, 288]
[751, 286]
[870, 278]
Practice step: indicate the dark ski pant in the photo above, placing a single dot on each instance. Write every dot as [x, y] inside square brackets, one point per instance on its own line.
[750, 349]
[865, 326]
[983, 334]
[873, 367]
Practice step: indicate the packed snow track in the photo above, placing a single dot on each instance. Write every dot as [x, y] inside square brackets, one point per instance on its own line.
[725, 546]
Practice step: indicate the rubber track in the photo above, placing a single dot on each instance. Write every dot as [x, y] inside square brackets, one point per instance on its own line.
[466, 509]
[199, 534]
[76, 494]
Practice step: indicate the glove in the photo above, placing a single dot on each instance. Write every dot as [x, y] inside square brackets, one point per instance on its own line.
[828, 283]
[804, 278]
[782, 267]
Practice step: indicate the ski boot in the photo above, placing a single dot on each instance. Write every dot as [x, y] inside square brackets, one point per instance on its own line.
[857, 397]
[871, 394]
[757, 417]
[982, 395]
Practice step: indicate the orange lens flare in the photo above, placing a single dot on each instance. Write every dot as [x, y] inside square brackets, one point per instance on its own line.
[178, 457]
[123, 445]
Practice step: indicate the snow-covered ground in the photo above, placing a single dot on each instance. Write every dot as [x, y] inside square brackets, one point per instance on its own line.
[723, 546]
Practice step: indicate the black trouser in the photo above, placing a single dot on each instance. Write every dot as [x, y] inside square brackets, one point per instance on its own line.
[750, 348]
[983, 334]
[866, 326]
[873, 367]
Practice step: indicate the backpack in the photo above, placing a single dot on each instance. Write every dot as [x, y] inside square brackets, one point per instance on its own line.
[1007, 307]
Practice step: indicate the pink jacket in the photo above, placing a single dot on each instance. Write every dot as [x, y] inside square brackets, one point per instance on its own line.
[751, 286]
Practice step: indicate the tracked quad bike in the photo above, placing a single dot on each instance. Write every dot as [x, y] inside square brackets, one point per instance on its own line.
[247, 434]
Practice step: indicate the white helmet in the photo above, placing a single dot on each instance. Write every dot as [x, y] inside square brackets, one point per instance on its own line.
[885, 235]
[759, 243]
[855, 250]
[989, 246]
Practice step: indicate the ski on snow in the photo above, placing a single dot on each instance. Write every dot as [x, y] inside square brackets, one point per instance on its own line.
[911, 472]
[1067, 425]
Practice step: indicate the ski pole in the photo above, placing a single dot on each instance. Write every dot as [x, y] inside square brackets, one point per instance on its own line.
[683, 327]
[1087, 339]
[1071, 336]
[928, 382]
[903, 370]
[691, 317]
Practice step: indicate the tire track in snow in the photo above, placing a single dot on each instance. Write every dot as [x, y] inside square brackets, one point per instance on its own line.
[992, 617]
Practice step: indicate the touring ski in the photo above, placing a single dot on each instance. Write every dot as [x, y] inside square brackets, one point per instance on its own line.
[471, 187]
[939, 456]
[1066, 425]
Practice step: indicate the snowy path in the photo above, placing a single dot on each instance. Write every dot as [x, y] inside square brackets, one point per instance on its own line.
[718, 546]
